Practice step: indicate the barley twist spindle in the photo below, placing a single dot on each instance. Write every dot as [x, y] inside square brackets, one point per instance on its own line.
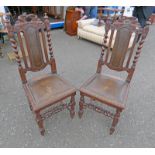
[143, 37]
[47, 24]
[10, 30]
[100, 62]
[52, 60]
[103, 47]
[137, 53]
[13, 42]
[14, 46]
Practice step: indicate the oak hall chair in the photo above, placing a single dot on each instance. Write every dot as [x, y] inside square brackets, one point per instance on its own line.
[106, 88]
[45, 93]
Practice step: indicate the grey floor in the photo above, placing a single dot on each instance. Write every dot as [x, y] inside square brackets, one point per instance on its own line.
[76, 61]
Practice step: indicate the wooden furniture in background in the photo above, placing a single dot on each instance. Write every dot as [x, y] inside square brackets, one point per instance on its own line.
[45, 93]
[105, 88]
[34, 9]
[3, 30]
[2, 20]
[54, 11]
[71, 19]
[117, 13]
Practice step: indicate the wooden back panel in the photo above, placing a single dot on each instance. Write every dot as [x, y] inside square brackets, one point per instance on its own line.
[121, 34]
[120, 48]
[31, 35]
[35, 42]
[129, 20]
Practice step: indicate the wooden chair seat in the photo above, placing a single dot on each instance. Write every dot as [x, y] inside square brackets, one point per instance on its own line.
[47, 89]
[107, 89]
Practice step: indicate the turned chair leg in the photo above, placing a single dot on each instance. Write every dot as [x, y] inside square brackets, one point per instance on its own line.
[115, 120]
[72, 106]
[40, 123]
[81, 106]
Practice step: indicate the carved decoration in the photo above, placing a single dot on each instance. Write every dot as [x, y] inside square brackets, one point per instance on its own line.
[99, 109]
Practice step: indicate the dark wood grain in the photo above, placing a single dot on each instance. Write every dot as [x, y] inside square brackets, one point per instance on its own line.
[71, 19]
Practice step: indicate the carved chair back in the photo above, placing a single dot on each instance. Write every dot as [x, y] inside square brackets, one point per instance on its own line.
[129, 20]
[121, 57]
[34, 39]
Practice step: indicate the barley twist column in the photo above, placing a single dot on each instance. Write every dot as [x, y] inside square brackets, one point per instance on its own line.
[52, 60]
[100, 62]
[10, 29]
